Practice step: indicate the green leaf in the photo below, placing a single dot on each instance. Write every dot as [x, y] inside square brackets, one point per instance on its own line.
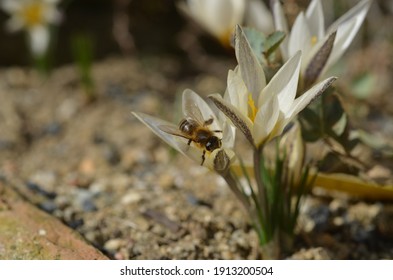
[272, 42]
[309, 120]
[363, 85]
[326, 119]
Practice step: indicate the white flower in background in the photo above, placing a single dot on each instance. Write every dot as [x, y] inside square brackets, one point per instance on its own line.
[259, 16]
[34, 16]
[216, 151]
[218, 17]
[262, 111]
[308, 32]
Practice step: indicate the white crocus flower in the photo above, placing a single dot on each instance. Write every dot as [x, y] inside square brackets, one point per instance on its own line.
[195, 108]
[218, 17]
[35, 16]
[259, 16]
[308, 32]
[262, 111]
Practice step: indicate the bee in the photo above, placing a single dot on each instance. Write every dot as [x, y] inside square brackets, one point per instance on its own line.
[196, 129]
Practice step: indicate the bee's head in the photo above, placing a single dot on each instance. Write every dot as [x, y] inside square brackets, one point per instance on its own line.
[213, 143]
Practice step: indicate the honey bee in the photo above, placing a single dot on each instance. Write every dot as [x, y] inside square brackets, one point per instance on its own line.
[194, 128]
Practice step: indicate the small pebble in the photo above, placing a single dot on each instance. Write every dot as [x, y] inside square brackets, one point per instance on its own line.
[48, 206]
[320, 215]
[85, 200]
[111, 154]
[53, 128]
[113, 244]
[311, 254]
[131, 197]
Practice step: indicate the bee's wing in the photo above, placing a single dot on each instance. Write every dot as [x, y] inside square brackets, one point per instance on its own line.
[172, 129]
[192, 111]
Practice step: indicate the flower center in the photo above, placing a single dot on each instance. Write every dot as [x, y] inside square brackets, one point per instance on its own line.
[225, 38]
[253, 110]
[32, 14]
[314, 40]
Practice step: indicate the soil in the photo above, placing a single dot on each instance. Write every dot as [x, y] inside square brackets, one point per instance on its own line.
[102, 173]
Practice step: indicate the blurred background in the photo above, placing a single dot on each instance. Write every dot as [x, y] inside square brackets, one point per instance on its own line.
[156, 27]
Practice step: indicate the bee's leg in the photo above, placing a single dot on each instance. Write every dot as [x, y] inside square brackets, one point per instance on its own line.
[203, 157]
[208, 122]
[189, 142]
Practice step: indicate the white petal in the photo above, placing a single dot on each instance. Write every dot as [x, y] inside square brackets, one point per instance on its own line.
[250, 69]
[52, 2]
[237, 92]
[39, 39]
[281, 24]
[306, 98]
[315, 19]
[238, 8]
[196, 9]
[228, 134]
[11, 6]
[259, 16]
[307, 57]
[347, 26]
[52, 15]
[284, 84]
[300, 37]
[356, 14]
[265, 121]
[154, 123]
[218, 17]
[14, 24]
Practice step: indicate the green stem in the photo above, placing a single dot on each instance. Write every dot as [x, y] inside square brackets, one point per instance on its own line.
[251, 211]
[228, 177]
[262, 193]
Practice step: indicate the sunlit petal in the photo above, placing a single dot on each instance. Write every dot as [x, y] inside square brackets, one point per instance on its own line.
[357, 14]
[14, 24]
[250, 69]
[154, 123]
[306, 98]
[217, 17]
[280, 23]
[284, 84]
[266, 120]
[259, 16]
[237, 92]
[11, 6]
[300, 37]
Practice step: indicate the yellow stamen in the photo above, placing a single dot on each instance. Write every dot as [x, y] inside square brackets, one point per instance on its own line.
[314, 40]
[33, 14]
[253, 109]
